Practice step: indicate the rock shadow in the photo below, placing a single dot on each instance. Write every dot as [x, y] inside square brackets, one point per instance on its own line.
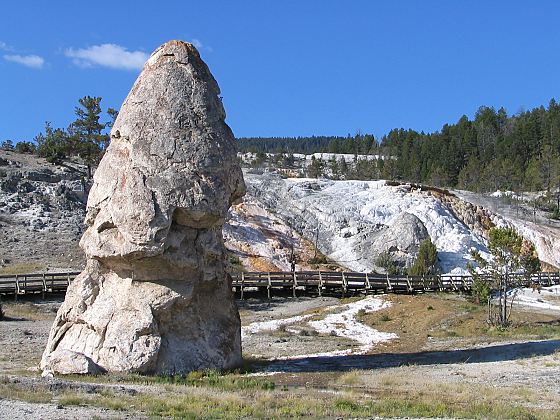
[494, 353]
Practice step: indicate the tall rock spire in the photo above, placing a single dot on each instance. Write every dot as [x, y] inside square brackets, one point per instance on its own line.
[155, 297]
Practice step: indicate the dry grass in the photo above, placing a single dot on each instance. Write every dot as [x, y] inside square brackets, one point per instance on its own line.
[28, 311]
[392, 392]
[23, 268]
[352, 378]
[419, 319]
[186, 401]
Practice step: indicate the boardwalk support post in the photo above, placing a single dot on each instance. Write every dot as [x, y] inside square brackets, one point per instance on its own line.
[389, 287]
[242, 282]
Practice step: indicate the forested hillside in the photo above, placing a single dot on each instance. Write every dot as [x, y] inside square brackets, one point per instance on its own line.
[492, 151]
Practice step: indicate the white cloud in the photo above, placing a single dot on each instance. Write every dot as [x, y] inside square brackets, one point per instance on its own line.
[33, 61]
[5, 47]
[107, 55]
[200, 46]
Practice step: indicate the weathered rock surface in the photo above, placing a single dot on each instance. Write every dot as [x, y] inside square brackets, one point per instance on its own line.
[69, 362]
[155, 297]
[401, 240]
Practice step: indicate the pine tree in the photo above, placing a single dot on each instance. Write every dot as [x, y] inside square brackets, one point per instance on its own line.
[53, 144]
[86, 131]
[510, 254]
[426, 262]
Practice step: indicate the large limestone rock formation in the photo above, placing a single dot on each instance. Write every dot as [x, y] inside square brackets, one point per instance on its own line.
[401, 241]
[155, 297]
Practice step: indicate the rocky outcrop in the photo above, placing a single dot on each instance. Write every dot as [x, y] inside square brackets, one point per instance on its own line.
[401, 241]
[345, 219]
[477, 218]
[44, 202]
[155, 297]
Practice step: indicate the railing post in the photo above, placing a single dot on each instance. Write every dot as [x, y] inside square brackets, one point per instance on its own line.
[242, 283]
[294, 285]
[389, 287]
[320, 284]
[268, 286]
[410, 289]
[344, 285]
[368, 285]
[44, 286]
[453, 282]
[17, 288]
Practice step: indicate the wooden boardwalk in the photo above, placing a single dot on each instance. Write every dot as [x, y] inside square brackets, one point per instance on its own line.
[344, 283]
[297, 283]
[36, 283]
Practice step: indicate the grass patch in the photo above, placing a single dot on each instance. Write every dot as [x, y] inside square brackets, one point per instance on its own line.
[28, 311]
[540, 330]
[22, 268]
[318, 259]
[385, 318]
[224, 381]
[205, 395]
[351, 299]
[351, 378]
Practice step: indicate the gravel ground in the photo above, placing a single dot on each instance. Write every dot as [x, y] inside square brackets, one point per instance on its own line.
[16, 410]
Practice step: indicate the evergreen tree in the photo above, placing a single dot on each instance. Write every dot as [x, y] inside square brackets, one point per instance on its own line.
[87, 137]
[343, 167]
[7, 145]
[315, 168]
[510, 254]
[426, 262]
[26, 147]
[334, 167]
[53, 144]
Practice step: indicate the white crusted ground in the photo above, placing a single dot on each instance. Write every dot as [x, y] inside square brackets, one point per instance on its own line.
[345, 211]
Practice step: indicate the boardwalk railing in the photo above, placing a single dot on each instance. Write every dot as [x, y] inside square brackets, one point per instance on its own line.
[315, 282]
[22, 284]
[343, 283]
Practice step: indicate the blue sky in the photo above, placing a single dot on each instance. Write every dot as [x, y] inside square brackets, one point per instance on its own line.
[287, 68]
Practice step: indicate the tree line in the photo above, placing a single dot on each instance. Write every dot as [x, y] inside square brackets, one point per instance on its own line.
[492, 151]
[86, 137]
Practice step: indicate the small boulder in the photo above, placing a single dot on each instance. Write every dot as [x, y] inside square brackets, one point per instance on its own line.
[67, 362]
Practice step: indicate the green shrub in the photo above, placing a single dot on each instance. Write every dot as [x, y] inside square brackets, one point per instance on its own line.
[318, 259]
[426, 263]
